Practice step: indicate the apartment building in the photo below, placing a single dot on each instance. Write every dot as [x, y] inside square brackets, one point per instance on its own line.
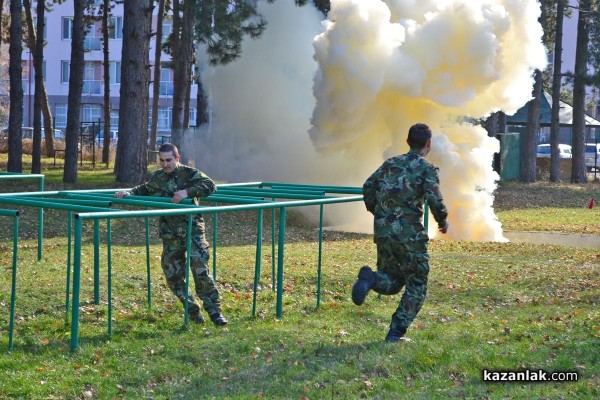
[56, 66]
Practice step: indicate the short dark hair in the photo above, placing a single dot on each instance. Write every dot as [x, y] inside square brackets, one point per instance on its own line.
[168, 147]
[418, 135]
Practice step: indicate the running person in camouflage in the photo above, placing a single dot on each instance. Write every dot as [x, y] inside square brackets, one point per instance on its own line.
[178, 182]
[395, 194]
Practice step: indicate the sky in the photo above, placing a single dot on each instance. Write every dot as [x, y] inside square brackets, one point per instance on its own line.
[327, 101]
[569, 39]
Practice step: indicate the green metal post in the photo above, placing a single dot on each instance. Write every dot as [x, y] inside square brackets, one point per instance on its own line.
[148, 277]
[279, 305]
[259, 231]
[109, 274]
[320, 254]
[188, 249]
[426, 217]
[40, 221]
[13, 290]
[214, 252]
[96, 262]
[76, 286]
[69, 241]
[273, 211]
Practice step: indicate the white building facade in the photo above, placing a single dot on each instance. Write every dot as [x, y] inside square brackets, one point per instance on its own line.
[57, 55]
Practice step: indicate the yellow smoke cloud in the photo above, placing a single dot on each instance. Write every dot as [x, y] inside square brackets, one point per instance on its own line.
[357, 81]
[384, 66]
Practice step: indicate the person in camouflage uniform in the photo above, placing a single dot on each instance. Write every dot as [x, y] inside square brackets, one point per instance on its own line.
[395, 194]
[179, 181]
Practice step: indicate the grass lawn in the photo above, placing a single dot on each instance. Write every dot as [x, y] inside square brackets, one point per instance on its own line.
[490, 306]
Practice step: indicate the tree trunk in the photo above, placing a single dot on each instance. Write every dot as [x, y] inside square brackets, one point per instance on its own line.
[15, 71]
[182, 56]
[75, 88]
[578, 174]
[35, 42]
[1, 15]
[529, 140]
[491, 126]
[132, 147]
[106, 68]
[556, 81]
[38, 51]
[201, 104]
[156, 81]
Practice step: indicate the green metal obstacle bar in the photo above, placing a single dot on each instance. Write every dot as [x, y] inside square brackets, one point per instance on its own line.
[93, 204]
[282, 206]
[89, 201]
[5, 176]
[13, 289]
[45, 203]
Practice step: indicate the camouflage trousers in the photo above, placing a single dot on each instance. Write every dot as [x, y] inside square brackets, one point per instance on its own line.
[403, 265]
[173, 265]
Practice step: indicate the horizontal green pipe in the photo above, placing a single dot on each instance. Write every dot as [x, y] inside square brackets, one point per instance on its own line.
[234, 199]
[278, 195]
[211, 198]
[268, 190]
[213, 210]
[335, 190]
[327, 189]
[80, 202]
[139, 201]
[30, 194]
[306, 185]
[9, 213]
[48, 204]
[149, 199]
[242, 184]
[16, 175]
[99, 190]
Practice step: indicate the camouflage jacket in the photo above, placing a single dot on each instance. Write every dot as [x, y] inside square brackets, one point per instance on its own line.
[395, 194]
[162, 184]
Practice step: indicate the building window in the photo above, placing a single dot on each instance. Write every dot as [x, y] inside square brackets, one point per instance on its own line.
[60, 115]
[115, 72]
[115, 28]
[92, 112]
[91, 85]
[114, 120]
[166, 81]
[93, 38]
[165, 114]
[167, 28]
[192, 116]
[65, 68]
[67, 28]
[165, 118]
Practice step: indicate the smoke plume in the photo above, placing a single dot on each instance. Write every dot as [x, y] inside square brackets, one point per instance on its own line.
[326, 102]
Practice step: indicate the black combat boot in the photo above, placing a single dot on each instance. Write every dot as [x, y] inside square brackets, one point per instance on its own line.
[218, 319]
[394, 335]
[367, 280]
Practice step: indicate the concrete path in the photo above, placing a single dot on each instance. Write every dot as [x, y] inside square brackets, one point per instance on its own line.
[559, 239]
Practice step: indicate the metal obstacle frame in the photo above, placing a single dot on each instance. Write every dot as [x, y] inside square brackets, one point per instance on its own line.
[5, 176]
[13, 291]
[96, 205]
